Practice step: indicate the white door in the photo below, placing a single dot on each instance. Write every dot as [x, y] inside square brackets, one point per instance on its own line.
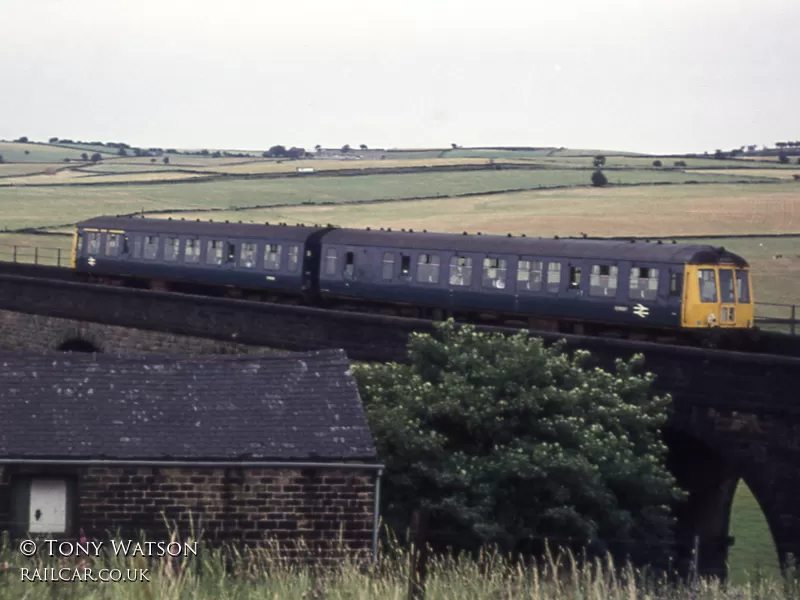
[48, 506]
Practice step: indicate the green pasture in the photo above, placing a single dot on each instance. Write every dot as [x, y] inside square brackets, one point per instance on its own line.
[88, 148]
[753, 554]
[488, 153]
[32, 206]
[42, 153]
[22, 169]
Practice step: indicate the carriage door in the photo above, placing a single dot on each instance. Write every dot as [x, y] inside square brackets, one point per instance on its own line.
[727, 298]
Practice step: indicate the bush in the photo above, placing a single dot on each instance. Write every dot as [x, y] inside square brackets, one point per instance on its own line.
[656, 163]
[599, 178]
[506, 440]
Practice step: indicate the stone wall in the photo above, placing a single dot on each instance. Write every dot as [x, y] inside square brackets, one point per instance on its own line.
[257, 506]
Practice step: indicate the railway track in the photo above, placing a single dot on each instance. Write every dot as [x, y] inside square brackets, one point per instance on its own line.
[768, 342]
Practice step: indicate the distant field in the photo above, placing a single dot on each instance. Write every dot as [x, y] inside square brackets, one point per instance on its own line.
[774, 173]
[88, 148]
[15, 152]
[115, 167]
[647, 162]
[469, 153]
[30, 206]
[16, 169]
[645, 210]
[70, 177]
[753, 548]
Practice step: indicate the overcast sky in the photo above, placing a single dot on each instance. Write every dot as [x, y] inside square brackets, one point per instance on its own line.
[640, 75]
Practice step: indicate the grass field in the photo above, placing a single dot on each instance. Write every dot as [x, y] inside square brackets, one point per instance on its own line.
[753, 552]
[17, 169]
[636, 211]
[15, 152]
[779, 173]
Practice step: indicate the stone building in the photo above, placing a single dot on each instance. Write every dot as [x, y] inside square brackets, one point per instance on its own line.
[240, 448]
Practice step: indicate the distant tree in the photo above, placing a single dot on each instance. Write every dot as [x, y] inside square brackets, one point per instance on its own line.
[216, 154]
[346, 148]
[751, 148]
[778, 144]
[599, 178]
[295, 152]
[152, 160]
[783, 158]
[318, 148]
[204, 152]
[171, 151]
[166, 160]
[454, 146]
[599, 160]
[363, 146]
[277, 151]
[719, 154]
[84, 156]
[53, 140]
[27, 151]
[97, 157]
[22, 140]
[656, 163]
[66, 160]
[680, 163]
[122, 151]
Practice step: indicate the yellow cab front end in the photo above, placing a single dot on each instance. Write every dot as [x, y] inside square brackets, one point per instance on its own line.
[718, 295]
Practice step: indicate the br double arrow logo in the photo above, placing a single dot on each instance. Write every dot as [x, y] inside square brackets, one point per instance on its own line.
[640, 310]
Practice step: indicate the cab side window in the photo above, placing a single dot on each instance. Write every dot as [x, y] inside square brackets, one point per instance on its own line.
[742, 287]
[707, 280]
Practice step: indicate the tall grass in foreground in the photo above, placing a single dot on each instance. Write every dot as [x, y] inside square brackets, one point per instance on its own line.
[268, 573]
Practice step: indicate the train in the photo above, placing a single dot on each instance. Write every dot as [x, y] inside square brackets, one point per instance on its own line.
[631, 289]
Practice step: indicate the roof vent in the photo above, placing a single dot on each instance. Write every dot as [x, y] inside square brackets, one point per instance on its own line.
[239, 221]
[368, 229]
[509, 235]
[424, 231]
[479, 233]
[555, 237]
[674, 242]
[211, 220]
[633, 241]
[403, 230]
[389, 229]
[722, 249]
[226, 220]
[266, 222]
[198, 220]
[410, 231]
[464, 233]
[183, 218]
[523, 235]
[381, 228]
[660, 242]
[169, 219]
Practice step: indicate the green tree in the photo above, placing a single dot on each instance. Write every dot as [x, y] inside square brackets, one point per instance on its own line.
[53, 140]
[84, 156]
[346, 148]
[97, 157]
[599, 178]
[507, 440]
[599, 160]
[166, 160]
[656, 163]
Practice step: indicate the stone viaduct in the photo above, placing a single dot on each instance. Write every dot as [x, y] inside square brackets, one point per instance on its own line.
[735, 415]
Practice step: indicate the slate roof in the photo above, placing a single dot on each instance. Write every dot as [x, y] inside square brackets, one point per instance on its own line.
[301, 407]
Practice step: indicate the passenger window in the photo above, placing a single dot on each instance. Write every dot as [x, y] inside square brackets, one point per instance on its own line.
[137, 246]
[676, 284]
[294, 258]
[349, 265]
[708, 285]
[742, 287]
[529, 275]
[553, 277]
[574, 278]
[330, 261]
[192, 252]
[247, 255]
[428, 268]
[150, 247]
[726, 292]
[603, 280]
[388, 265]
[214, 252]
[93, 242]
[125, 248]
[643, 283]
[171, 248]
[405, 265]
[494, 273]
[112, 244]
[272, 257]
[460, 271]
[231, 252]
